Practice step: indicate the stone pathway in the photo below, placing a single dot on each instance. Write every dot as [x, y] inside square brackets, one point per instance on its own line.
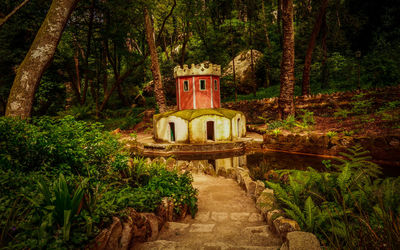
[227, 219]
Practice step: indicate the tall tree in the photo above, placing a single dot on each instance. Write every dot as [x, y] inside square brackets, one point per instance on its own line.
[305, 88]
[38, 58]
[286, 96]
[155, 67]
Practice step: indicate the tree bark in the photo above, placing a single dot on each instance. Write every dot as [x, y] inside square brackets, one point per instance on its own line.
[38, 58]
[155, 68]
[305, 89]
[325, 69]
[285, 102]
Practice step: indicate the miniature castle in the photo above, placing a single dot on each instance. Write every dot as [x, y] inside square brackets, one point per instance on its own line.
[199, 118]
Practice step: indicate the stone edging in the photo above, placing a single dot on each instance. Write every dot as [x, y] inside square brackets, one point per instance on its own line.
[266, 203]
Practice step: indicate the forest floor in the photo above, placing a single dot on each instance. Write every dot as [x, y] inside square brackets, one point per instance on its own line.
[367, 125]
[227, 219]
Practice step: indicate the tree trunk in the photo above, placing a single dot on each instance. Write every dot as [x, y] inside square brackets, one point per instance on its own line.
[325, 69]
[285, 102]
[305, 89]
[155, 68]
[89, 38]
[38, 58]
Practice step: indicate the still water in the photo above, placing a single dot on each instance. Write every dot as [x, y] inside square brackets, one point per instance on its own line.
[272, 160]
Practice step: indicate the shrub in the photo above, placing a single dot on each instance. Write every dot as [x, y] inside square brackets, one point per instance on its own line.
[349, 208]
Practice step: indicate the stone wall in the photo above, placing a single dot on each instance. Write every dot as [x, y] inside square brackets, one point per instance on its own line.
[384, 149]
[320, 104]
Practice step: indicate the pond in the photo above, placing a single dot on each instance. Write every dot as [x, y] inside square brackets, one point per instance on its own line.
[273, 160]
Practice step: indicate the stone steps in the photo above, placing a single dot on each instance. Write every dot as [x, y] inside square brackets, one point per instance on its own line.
[227, 219]
[172, 245]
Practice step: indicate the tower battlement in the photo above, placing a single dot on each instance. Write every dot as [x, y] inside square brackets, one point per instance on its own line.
[198, 69]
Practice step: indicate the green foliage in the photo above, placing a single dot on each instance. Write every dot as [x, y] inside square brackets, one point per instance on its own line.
[347, 208]
[305, 121]
[77, 179]
[343, 113]
[361, 104]
[331, 134]
[55, 145]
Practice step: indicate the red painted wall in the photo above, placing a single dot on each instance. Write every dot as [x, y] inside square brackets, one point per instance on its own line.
[186, 98]
[216, 93]
[202, 98]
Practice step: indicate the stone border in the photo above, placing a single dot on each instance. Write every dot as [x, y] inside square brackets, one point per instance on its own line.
[266, 203]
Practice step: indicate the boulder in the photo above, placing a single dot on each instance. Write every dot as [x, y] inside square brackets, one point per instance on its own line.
[155, 225]
[170, 164]
[141, 226]
[260, 186]
[166, 209]
[243, 69]
[272, 215]
[283, 225]
[301, 241]
[266, 201]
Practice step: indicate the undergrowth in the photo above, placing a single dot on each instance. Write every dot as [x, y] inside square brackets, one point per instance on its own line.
[61, 181]
[347, 207]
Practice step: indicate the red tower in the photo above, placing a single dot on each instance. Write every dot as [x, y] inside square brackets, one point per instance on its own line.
[198, 86]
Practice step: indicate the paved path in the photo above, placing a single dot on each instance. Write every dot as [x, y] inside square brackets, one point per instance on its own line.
[227, 219]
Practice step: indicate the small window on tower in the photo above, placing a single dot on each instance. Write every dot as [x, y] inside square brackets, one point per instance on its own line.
[186, 86]
[202, 84]
[215, 85]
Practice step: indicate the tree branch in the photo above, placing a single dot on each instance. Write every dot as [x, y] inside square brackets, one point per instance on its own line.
[165, 20]
[5, 19]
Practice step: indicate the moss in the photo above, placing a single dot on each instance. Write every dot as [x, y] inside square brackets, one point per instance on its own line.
[190, 114]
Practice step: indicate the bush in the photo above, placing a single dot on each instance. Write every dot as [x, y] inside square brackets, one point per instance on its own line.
[347, 208]
[61, 181]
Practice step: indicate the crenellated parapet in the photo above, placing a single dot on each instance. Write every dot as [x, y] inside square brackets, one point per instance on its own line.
[198, 69]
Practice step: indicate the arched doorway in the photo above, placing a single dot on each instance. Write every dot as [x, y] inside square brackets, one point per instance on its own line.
[210, 131]
[172, 131]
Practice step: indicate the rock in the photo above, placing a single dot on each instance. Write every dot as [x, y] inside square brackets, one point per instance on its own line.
[250, 185]
[147, 161]
[155, 225]
[127, 235]
[283, 225]
[301, 241]
[243, 69]
[272, 215]
[170, 164]
[266, 201]
[201, 228]
[209, 169]
[260, 186]
[166, 209]
[182, 165]
[141, 226]
[115, 235]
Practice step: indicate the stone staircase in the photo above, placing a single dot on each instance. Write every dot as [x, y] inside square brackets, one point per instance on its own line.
[227, 219]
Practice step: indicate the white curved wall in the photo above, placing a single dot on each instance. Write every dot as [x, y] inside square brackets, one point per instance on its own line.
[162, 129]
[198, 128]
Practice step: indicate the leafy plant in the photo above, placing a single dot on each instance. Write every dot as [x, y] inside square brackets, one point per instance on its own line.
[60, 203]
[347, 208]
[331, 134]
